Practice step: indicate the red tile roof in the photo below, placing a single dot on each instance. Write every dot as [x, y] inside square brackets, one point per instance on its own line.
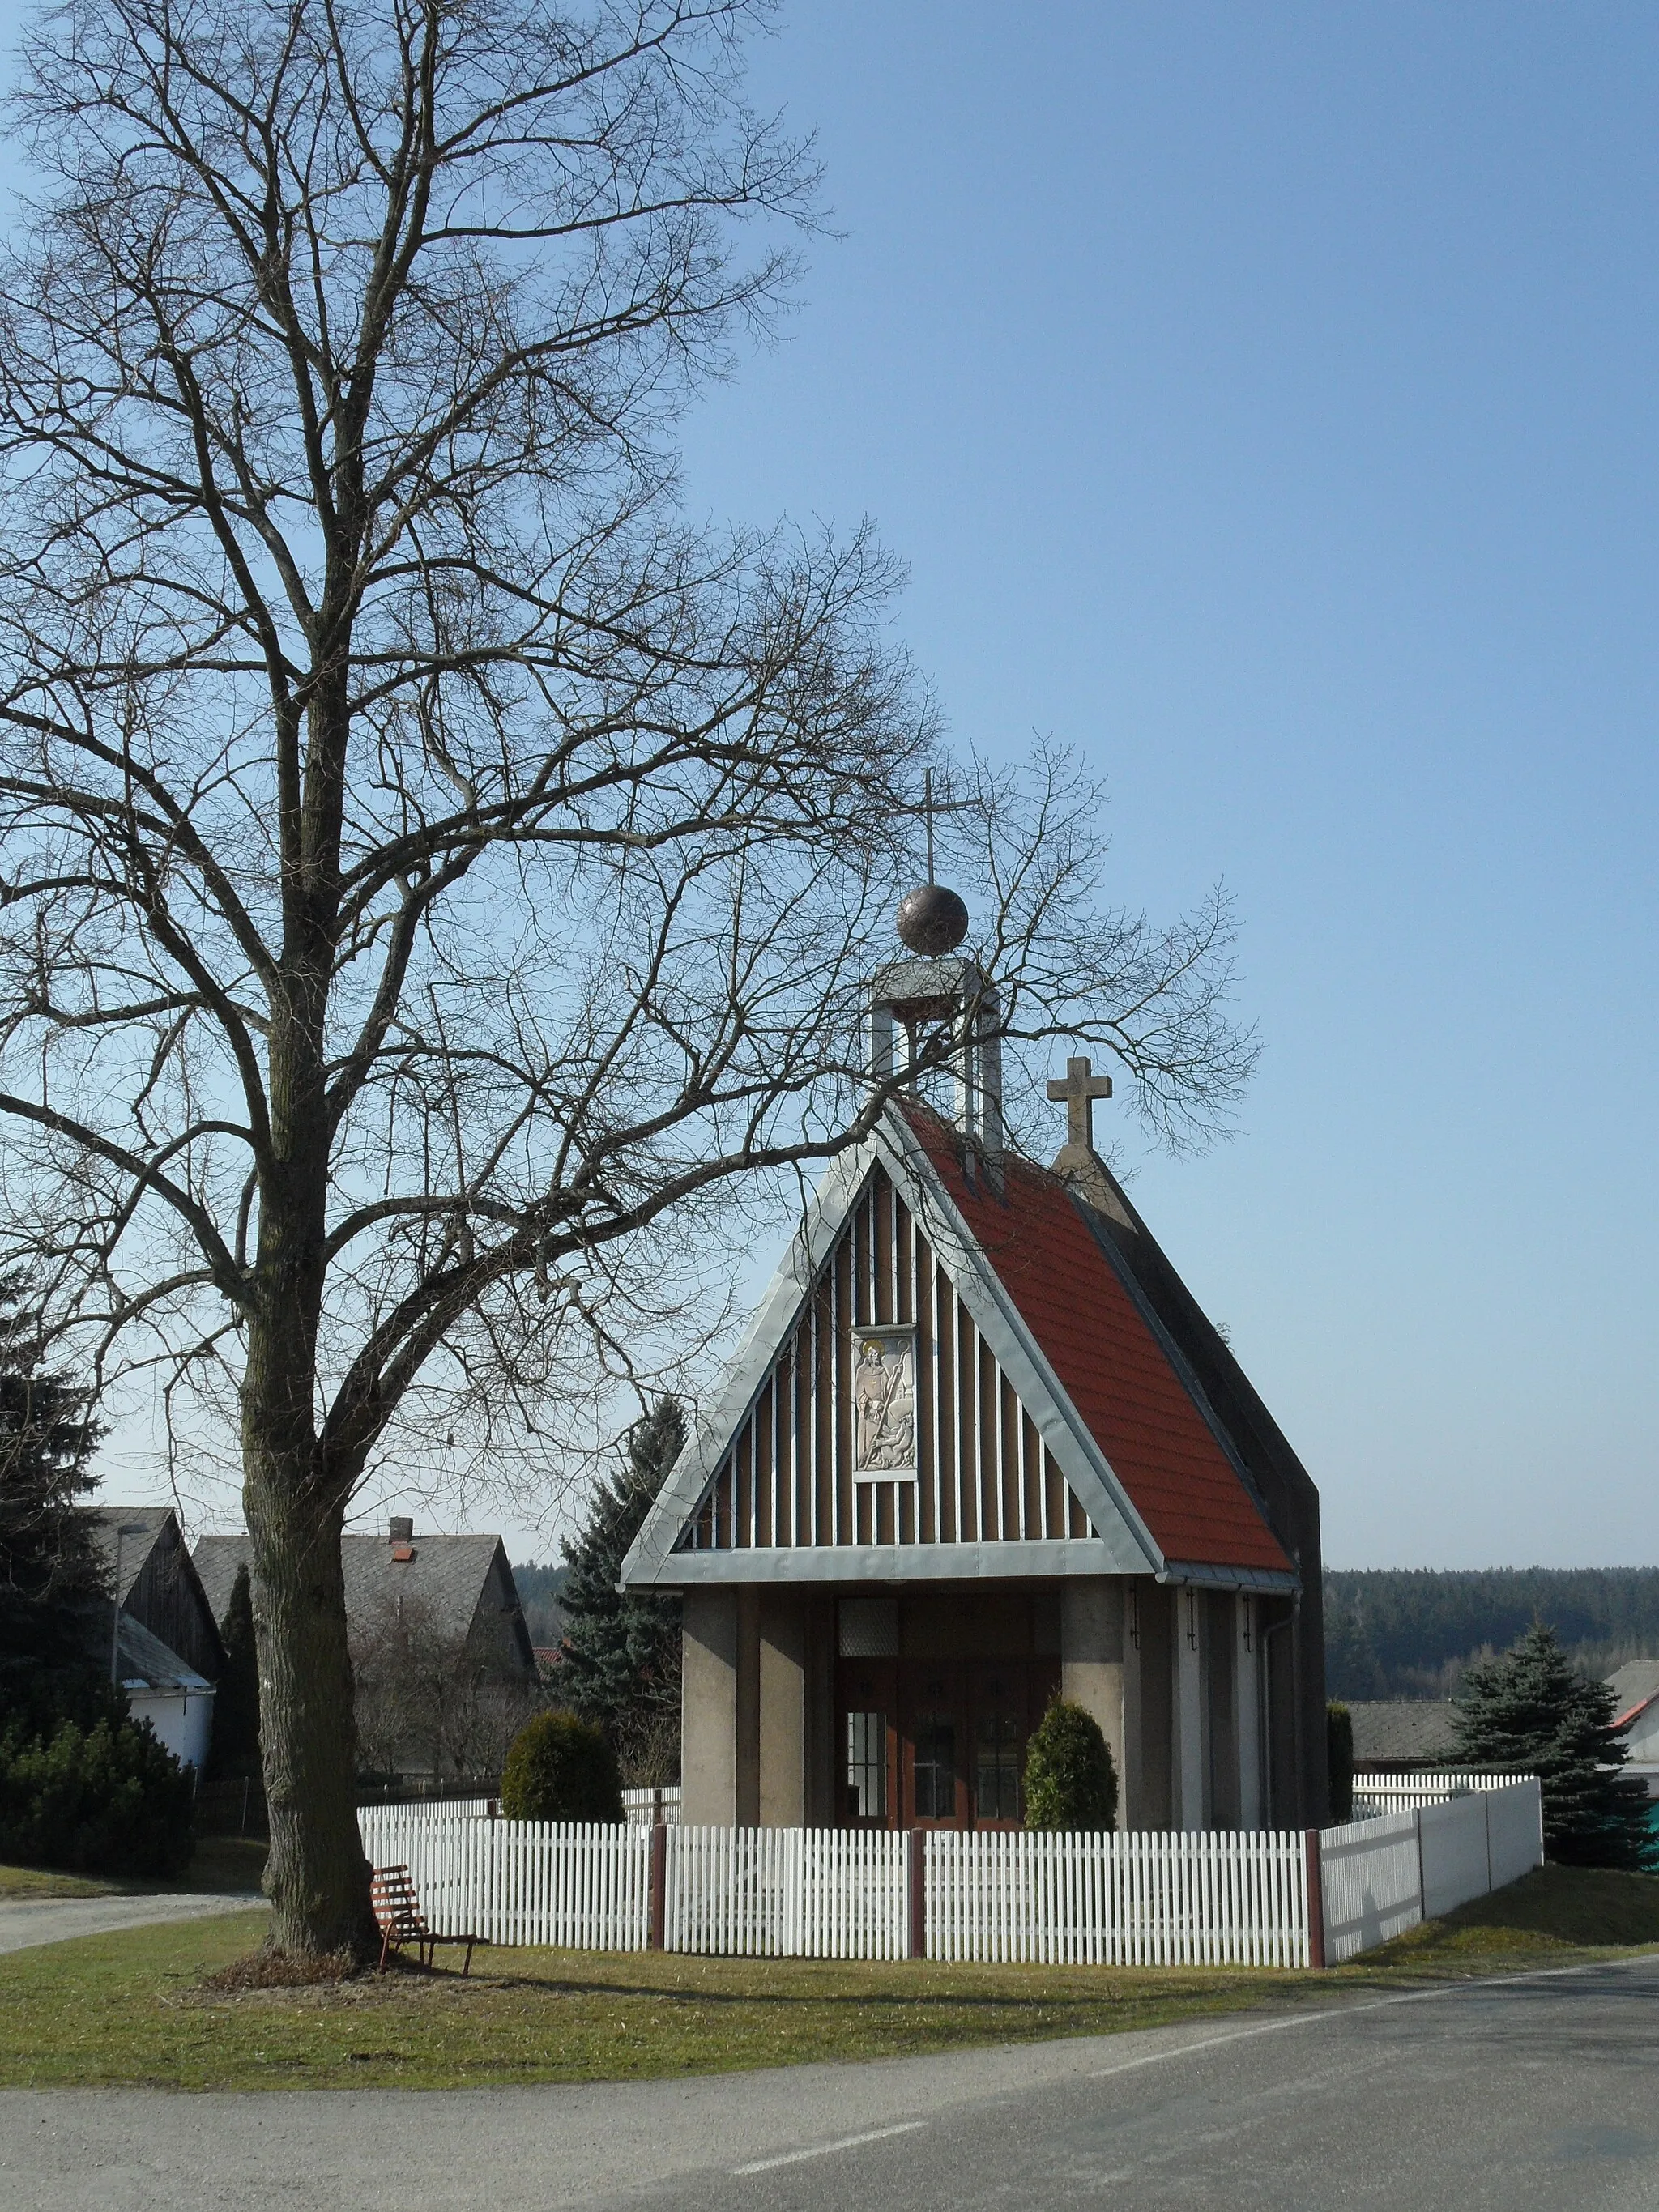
[1107, 1360]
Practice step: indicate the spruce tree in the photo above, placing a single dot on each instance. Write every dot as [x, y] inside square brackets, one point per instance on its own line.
[621, 1664]
[1527, 1711]
[236, 1749]
[52, 1570]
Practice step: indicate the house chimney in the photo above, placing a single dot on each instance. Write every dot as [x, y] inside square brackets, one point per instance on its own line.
[400, 1529]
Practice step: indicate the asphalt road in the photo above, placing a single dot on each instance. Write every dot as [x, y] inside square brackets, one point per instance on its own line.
[25, 1921]
[1538, 2092]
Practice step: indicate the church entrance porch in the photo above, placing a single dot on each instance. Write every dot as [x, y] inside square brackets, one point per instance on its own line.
[936, 1694]
[935, 1743]
[913, 1707]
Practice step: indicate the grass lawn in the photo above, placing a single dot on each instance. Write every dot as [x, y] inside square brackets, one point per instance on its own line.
[221, 1865]
[129, 2007]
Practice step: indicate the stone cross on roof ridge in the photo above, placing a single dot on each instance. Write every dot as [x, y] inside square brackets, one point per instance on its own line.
[1079, 1087]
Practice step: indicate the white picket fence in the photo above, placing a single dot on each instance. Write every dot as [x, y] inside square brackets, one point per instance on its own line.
[581, 1884]
[1163, 1900]
[644, 1808]
[1131, 1900]
[788, 1892]
[1381, 1876]
[1375, 1794]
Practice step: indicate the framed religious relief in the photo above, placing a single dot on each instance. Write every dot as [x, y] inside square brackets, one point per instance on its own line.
[884, 1403]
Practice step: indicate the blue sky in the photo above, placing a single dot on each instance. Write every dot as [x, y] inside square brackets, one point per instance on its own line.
[1263, 399]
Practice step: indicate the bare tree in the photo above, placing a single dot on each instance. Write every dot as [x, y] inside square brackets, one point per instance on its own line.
[432, 873]
[429, 1699]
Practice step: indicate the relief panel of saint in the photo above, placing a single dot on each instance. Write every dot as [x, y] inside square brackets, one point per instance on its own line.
[885, 1402]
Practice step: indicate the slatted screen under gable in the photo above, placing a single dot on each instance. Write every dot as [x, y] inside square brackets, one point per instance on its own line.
[983, 1472]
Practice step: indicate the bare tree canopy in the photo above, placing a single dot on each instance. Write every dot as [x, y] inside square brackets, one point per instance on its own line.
[430, 869]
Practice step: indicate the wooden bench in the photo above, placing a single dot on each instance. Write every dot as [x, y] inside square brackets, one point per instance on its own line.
[397, 1910]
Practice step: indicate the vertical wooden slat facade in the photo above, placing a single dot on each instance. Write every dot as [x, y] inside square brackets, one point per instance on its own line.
[984, 1474]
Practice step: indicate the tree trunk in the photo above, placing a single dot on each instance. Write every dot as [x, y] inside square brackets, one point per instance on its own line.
[317, 1876]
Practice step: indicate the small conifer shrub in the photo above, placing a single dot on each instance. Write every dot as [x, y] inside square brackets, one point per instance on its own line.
[1527, 1712]
[561, 1768]
[1071, 1785]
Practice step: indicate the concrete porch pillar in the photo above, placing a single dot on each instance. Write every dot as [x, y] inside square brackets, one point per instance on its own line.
[720, 1708]
[782, 1659]
[1091, 1661]
[1191, 1751]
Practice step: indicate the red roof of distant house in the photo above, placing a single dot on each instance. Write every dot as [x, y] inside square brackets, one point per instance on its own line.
[1107, 1359]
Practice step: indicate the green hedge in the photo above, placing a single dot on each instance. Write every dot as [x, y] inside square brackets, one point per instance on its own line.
[560, 1768]
[1071, 1785]
[105, 1799]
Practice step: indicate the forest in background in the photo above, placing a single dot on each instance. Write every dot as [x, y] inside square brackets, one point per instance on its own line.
[1397, 1632]
[1393, 1632]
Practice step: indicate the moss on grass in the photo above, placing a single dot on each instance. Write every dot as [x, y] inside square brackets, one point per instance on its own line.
[49, 1881]
[221, 1865]
[1557, 1909]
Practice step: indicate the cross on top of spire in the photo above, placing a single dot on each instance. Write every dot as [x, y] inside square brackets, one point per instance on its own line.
[1079, 1087]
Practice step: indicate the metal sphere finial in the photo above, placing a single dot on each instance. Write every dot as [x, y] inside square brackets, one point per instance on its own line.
[932, 920]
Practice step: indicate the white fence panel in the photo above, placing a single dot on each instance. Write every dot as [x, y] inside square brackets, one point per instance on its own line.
[1374, 1794]
[854, 1899]
[645, 1807]
[581, 1884]
[1371, 1883]
[1155, 1900]
[1381, 1876]
[1452, 1839]
[1515, 1834]
[788, 1892]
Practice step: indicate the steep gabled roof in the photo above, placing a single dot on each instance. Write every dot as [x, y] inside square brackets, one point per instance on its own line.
[1140, 1400]
[159, 1584]
[131, 1533]
[1118, 1404]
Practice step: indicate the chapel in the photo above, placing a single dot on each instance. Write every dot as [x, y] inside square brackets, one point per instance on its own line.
[980, 1446]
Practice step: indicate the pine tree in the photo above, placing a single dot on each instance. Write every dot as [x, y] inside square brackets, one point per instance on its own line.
[51, 1567]
[236, 1708]
[1527, 1711]
[622, 1654]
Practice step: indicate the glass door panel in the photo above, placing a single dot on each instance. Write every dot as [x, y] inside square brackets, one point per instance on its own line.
[866, 1768]
[996, 1770]
[934, 1772]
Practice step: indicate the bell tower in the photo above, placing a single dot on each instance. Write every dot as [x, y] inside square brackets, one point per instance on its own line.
[945, 1009]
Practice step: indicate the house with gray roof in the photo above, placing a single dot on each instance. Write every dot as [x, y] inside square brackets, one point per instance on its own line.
[1403, 1735]
[1636, 1715]
[442, 1656]
[156, 1584]
[166, 1690]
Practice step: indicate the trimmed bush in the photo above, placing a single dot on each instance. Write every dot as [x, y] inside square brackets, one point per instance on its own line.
[1338, 1759]
[561, 1768]
[1071, 1785]
[105, 1799]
